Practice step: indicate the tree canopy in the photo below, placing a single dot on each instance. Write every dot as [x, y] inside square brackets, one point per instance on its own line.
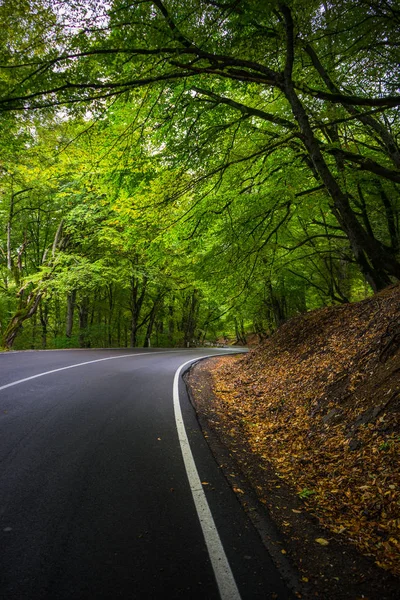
[180, 170]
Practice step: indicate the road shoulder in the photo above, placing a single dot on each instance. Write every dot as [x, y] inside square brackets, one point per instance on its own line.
[336, 570]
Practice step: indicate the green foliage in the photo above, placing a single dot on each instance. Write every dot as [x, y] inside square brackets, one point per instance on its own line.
[197, 169]
[305, 493]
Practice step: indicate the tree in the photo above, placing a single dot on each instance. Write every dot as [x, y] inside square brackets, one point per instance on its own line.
[251, 127]
[260, 57]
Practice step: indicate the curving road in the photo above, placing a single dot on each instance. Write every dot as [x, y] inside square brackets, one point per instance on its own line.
[99, 456]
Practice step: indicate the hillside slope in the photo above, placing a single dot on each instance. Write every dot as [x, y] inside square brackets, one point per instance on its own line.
[318, 405]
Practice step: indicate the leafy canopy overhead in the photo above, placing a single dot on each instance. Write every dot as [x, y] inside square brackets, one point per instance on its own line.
[249, 143]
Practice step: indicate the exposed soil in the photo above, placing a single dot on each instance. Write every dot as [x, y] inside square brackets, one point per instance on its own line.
[306, 428]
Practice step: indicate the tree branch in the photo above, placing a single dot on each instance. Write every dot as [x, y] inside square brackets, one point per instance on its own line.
[246, 110]
[389, 101]
[367, 119]
[367, 164]
[310, 191]
[172, 25]
[313, 237]
[287, 15]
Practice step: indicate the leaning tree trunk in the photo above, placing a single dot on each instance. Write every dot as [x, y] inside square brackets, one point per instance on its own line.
[26, 311]
[377, 263]
[152, 317]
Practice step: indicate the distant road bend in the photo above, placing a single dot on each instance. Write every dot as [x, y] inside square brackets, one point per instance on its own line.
[108, 489]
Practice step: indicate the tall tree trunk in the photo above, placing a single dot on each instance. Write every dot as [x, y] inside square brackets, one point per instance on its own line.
[171, 323]
[138, 290]
[34, 327]
[277, 299]
[119, 329]
[390, 218]
[71, 301]
[150, 324]
[9, 255]
[44, 320]
[191, 318]
[84, 341]
[109, 321]
[239, 333]
[377, 263]
[57, 317]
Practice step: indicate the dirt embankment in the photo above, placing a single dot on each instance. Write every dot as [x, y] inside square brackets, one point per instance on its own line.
[311, 418]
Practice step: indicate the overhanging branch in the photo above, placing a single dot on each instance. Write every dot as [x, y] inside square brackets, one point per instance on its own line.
[246, 110]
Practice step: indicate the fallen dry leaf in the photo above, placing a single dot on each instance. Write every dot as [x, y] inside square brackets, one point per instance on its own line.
[317, 404]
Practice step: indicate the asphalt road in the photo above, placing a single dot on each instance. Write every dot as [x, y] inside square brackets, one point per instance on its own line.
[95, 499]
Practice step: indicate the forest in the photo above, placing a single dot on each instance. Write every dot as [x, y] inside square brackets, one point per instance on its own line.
[178, 172]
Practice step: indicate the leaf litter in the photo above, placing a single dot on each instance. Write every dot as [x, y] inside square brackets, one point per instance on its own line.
[319, 401]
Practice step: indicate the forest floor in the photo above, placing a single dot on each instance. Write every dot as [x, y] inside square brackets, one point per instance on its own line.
[306, 430]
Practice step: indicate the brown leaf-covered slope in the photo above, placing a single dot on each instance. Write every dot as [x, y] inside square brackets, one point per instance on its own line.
[320, 402]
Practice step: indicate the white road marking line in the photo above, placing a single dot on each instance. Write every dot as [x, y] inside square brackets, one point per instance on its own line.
[223, 574]
[89, 362]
